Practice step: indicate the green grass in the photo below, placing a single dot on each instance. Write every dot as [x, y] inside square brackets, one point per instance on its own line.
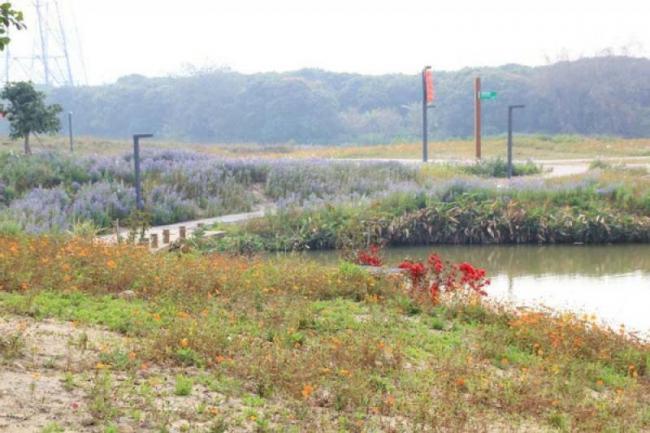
[183, 386]
[53, 427]
[525, 146]
[129, 317]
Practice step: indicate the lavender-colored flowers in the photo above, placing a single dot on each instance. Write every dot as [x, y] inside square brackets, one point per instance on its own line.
[41, 210]
[55, 191]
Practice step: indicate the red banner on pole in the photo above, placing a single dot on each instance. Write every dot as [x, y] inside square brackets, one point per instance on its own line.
[430, 91]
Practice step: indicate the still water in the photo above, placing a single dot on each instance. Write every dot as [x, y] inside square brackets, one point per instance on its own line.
[612, 282]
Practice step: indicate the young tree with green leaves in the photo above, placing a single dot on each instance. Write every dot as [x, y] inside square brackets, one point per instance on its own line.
[27, 112]
[9, 17]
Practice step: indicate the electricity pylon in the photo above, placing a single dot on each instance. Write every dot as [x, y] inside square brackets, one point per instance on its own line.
[56, 58]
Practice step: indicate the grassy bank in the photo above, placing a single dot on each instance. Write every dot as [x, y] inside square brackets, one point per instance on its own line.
[538, 146]
[307, 346]
[591, 210]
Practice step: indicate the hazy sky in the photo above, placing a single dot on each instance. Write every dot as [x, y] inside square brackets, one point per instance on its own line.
[158, 37]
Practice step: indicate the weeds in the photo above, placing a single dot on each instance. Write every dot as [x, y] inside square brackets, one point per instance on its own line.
[499, 168]
[339, 341]
[11, 345]
[101, 405]
[53, 427]
[183, 386]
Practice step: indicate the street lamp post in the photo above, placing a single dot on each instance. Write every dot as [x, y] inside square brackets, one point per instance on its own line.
[136, 161]
[510, 109]
[70, 132]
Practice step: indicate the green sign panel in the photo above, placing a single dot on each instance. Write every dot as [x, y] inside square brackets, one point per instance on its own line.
[487, 95]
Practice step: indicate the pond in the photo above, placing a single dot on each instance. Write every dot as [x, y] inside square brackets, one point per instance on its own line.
[611, 281]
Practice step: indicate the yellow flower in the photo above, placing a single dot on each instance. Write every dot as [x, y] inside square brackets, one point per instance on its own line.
[185, 342]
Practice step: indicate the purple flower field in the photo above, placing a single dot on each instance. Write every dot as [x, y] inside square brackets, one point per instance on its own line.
[50, 192]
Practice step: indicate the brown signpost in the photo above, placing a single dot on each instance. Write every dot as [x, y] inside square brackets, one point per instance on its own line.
[428, 96]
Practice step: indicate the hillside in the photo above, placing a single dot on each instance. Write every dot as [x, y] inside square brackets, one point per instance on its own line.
[604, 95]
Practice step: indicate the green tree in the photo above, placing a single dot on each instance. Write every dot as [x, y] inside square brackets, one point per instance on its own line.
[9, 17]
[27, 112]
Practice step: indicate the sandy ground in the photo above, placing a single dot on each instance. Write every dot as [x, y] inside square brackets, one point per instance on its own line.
[55, 385]
[55, 380]
[32, 392]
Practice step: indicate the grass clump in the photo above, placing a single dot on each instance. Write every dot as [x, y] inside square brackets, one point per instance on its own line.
[53, 427]
[498, 167]
[11, 345]
[183, 386]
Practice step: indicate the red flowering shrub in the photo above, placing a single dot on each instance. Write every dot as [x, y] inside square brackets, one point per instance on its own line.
[417, 271]
[438, 276]
[369, 257]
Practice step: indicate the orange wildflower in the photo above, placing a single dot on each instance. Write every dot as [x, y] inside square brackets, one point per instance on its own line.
[307, 390]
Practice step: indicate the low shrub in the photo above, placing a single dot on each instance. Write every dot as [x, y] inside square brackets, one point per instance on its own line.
[499, 168]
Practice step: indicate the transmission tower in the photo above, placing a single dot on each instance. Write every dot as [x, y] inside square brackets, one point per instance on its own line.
[55, 57]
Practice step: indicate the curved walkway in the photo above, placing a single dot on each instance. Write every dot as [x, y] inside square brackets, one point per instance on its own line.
[190, 227]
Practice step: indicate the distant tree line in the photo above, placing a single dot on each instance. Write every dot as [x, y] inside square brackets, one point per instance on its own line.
[602, 95]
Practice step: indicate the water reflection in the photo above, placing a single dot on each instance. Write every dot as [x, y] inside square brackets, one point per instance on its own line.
[531, 260]
[615, 299]
[611, 281]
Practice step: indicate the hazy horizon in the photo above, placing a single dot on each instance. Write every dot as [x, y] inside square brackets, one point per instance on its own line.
[159, 38]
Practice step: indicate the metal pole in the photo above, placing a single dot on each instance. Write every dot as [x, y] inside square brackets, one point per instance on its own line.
[510, 108]
[44, 54]
[136, 161]
[425, 123]
[64, 44]
[509, 142]
[477, 116]
[70, 132]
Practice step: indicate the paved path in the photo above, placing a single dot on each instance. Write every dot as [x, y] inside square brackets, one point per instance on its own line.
[553, 167]
[190, 226]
